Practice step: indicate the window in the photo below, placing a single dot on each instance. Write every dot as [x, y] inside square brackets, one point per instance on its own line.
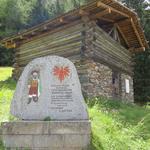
[116, 84]
[127, 86]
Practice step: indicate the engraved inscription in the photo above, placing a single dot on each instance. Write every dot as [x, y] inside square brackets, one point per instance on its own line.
[61, 97]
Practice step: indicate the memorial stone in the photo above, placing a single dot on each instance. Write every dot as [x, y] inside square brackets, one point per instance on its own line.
[49, 87]
[49, 104]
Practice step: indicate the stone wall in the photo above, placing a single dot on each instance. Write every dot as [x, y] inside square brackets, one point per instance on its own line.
[96, 80]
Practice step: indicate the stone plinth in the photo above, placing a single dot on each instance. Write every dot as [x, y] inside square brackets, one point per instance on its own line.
[46, 135]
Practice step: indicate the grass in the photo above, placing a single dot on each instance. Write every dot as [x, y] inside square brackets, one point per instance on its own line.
[5, 73]
[7, 87]
[115, 125]
[119, 126]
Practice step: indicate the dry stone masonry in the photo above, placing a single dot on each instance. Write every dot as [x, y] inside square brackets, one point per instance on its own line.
[97, 80]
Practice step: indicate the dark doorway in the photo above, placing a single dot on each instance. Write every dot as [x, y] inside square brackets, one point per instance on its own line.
[116, 85]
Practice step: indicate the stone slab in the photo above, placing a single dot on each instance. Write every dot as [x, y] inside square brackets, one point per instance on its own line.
[43, 135]
[49, 87]
[45, 127]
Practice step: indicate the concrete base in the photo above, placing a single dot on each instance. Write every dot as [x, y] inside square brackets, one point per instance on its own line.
[43, 135]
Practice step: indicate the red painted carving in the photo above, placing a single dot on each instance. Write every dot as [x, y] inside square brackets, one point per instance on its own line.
[61, 72]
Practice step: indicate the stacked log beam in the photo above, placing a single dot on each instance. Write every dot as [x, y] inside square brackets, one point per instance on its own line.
[81, 39]
[66, 42]
[111, 52]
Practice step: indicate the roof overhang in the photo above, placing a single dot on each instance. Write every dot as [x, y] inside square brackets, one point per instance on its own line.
[110, 11]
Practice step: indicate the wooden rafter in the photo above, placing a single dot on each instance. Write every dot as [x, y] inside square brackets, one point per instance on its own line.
[21, 37]
[10, 44]
[136, 33]
[33, 33]
[133, 50]
[83, 13]
[140, 49]
[106, 19]
[116, 35]
[123, 21]
[88, 10]
[122, 34]
[24, 37]
[109, 33]
[45, 28]
[62, 20]
[101, 14]
[100, 4]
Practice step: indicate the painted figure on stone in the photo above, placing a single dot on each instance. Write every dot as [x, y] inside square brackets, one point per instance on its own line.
[34, 87]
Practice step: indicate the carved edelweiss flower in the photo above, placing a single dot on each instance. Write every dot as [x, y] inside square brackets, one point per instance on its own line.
[61, 72]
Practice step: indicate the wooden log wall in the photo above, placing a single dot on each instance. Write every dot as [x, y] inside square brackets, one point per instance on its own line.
[108, 51]
[66, 42]
[76, 40]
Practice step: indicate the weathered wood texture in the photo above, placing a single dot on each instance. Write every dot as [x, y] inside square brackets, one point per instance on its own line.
[79, 39]
[64, 43]
[104, 49]
[111, 52]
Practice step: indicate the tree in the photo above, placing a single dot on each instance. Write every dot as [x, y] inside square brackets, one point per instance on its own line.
[13, 18]
[6, 56]
[39, 13]
[14, 15]
[142, 60]
[141, 7]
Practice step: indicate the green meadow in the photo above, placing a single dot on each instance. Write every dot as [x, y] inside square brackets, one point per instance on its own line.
[115, 125]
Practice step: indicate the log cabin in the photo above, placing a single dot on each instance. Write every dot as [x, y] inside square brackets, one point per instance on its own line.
[100, 38]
